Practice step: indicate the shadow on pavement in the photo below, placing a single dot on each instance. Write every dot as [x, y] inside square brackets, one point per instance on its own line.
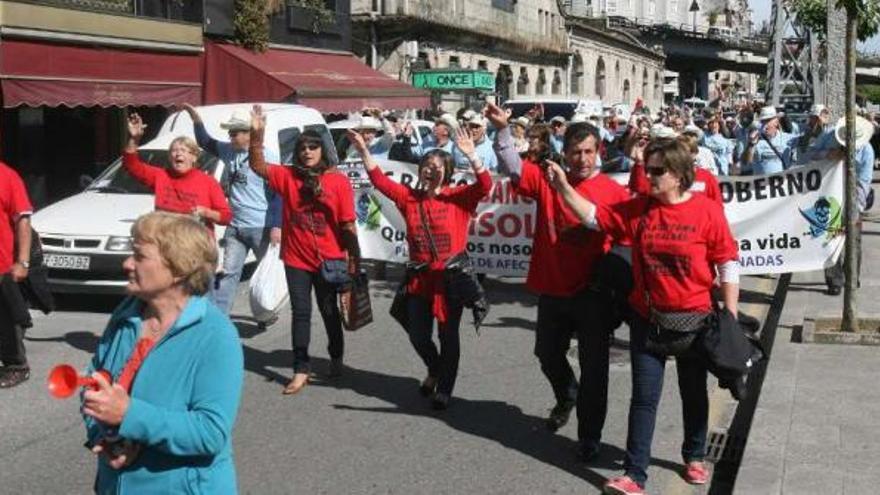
[84, 341]
[493, 420]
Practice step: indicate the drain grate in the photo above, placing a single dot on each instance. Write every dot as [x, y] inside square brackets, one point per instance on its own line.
[724, 447]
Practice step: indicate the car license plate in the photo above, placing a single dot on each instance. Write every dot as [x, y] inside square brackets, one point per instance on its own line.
[67, 261]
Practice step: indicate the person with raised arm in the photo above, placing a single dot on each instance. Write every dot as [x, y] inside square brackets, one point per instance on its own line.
[562, 271]
[437, 215]
[680, 241]
[318, 238]
[182, 187]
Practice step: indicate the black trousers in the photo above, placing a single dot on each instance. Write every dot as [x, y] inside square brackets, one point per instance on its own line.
[584, 316]
[443, 364]
[11, 337]
[299, 284]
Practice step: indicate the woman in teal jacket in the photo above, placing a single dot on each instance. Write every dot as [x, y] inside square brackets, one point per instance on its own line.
[165, 424]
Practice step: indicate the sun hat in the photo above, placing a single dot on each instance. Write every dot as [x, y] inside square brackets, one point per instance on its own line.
[864, 131]
[523, 122]
[767, 113]
[817, 109]
[692, 129]
[477, 119]
[660, 131]
[368, 122]
[558, 118]
[448, 120]
[240, 120]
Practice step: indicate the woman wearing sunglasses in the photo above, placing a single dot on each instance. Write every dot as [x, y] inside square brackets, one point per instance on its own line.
[703, 182]
[318, 231]
[182, 187]
[437, 216]
[680, 239]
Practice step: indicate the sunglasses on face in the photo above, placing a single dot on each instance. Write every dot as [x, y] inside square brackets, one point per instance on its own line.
[474, 126]
[234, 133]
[655, 171]
[309, 147]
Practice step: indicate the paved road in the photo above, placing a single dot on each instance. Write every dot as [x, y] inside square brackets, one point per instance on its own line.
[369, 431]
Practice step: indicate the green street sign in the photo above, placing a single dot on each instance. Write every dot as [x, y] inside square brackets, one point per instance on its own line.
[454, 79]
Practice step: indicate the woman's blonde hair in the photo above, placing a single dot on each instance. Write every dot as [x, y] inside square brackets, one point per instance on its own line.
[188, 142]
[691, 142]
[186, 247]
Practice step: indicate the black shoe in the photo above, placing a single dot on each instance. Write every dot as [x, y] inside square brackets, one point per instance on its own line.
[336, 368]
[440, 401]
[428, 386]
[588, 451]
[12, 376]
[834, 290]
[559, 415]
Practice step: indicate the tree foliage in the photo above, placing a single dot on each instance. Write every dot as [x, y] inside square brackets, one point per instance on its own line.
[813, 14]
[251, 24]
[870, 92]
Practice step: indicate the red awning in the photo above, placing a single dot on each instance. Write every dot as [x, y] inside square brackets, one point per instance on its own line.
[329, 82]
[35, 73]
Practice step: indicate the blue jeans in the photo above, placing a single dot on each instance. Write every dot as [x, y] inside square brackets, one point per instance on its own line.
[299, 283]
[647, 386]
[444, 364]
[238, 241]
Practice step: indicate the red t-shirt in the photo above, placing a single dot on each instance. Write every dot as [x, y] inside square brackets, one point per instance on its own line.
[679, 246]
[447, 215]
[564, 251]
[704, 182]
[311, 230]
[180, 193]
[14, 203]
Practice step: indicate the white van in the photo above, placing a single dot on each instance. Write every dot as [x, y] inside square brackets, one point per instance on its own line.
[86, 237]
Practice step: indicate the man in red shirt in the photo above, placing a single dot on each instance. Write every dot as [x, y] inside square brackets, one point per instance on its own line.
[15, 251]
[565, 256]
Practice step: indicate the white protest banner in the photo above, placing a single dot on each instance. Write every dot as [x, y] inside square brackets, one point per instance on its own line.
[501, 234]
[791, 221]
[786, 222]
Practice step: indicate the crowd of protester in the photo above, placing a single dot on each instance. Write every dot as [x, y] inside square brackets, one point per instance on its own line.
[153, 435]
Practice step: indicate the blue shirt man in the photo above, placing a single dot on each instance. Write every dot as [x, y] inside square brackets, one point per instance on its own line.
[769, 150]
[477, 128]
[256, 210]
[721, 149]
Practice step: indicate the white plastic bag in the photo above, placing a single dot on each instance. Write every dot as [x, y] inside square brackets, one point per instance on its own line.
[268, 287]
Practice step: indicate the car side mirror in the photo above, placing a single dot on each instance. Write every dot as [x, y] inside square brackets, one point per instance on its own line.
[85, 181]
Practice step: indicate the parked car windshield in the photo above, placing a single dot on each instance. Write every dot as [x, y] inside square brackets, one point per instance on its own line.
[116, 179]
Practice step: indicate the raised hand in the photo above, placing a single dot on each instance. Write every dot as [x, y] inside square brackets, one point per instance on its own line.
[464, 142]
[556, 176]
[258, 119]
[136, 127]
[356, 140]
[497, 115]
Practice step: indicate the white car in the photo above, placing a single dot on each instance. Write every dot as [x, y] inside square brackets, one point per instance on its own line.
[86, 237]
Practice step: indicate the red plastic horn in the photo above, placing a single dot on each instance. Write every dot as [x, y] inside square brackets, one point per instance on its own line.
[64, 381]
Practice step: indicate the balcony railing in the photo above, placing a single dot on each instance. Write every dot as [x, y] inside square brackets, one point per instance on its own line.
[175, 10]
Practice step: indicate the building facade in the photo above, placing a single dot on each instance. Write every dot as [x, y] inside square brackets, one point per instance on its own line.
[530, 46]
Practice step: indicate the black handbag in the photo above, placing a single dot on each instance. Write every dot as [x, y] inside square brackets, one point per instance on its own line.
[459, 279]
[400, 304]
[334, 271]
[671, 333]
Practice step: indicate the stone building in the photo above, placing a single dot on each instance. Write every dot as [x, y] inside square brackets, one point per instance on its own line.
[528, 45]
